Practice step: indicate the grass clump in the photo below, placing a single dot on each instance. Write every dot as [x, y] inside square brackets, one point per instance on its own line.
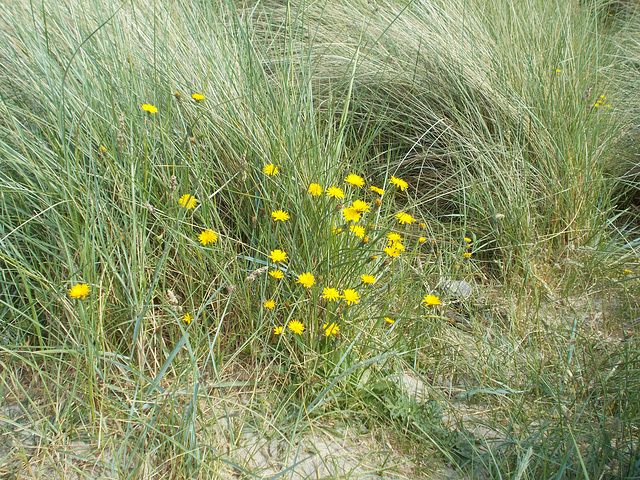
[230, 222]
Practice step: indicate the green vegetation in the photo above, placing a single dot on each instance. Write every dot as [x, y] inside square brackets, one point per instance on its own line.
[226, 225]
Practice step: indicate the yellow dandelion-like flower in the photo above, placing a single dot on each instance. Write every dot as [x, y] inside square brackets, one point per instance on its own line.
[627, 271]
[394, 237]
[276, 274]
[330, 294]
[431, 300]
[336, 230]
[457, 267]
[389, 320]
[207, 237]
[377, 190]
[351, 215]
[423, 225]
[270, 304]
[270, 169]
[365, 239]
[354, 180]
[357, 230]
[278, 256]
[306, 280]
[198, 97]
[296, 327]
[147, 107]
[331, 329]
[558, 70]
[374, 257]
[280, 215]
[315, 190]
[188, 201]
[350, 296]
[398, 182]
[80, 290]
[368, 279]
[392, 251]
[422, 240]
[398, 246]
[187, 319]
[467, 239]
[335, 192]
[466, 254]
[360, 206]
[278, 330]
[404, 218]
[378, 202]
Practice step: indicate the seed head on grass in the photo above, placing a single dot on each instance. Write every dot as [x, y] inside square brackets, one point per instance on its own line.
[280, 215]
[354, 180]
[207, 237]
[335, 192]
[398, 182]
[306, 280]
[187, 201]
[80, 290]
[331, 329]
[270, 169]
[147, 107]
[278, 256]
[431, 300]
[350, 296]
[404, 218]
[330, 294]
[315, 190]
[296, 327]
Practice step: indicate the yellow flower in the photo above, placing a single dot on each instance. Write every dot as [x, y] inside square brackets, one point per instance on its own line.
[270, 169]
[278, 256]
[331, 329]
[330, 294]
[360, 206]
[377, 190]
[627, 271]
[351, 215]
[369, 279]
[394, 237]
[354, 180]
[357, 230]
[270, 304]
[207, 237]
[389, 320]
[188, 201]
[147, 107]
[365, 239]
[398, 246]
[558, 70]
[276, 273]
[306, 280]
[431, 300]
[277, 330]
[198, 97]
[404, 218]
[280, 215]
[350, 296]
[335, 192]
[392, 251]
[422, 240]
[80, 290]
[336, 230]
[296, 327]
[315, 189]
[467, 239]
[423, 225]
[187, 319]
[466, 254]
[398, 182]
[457, 267]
